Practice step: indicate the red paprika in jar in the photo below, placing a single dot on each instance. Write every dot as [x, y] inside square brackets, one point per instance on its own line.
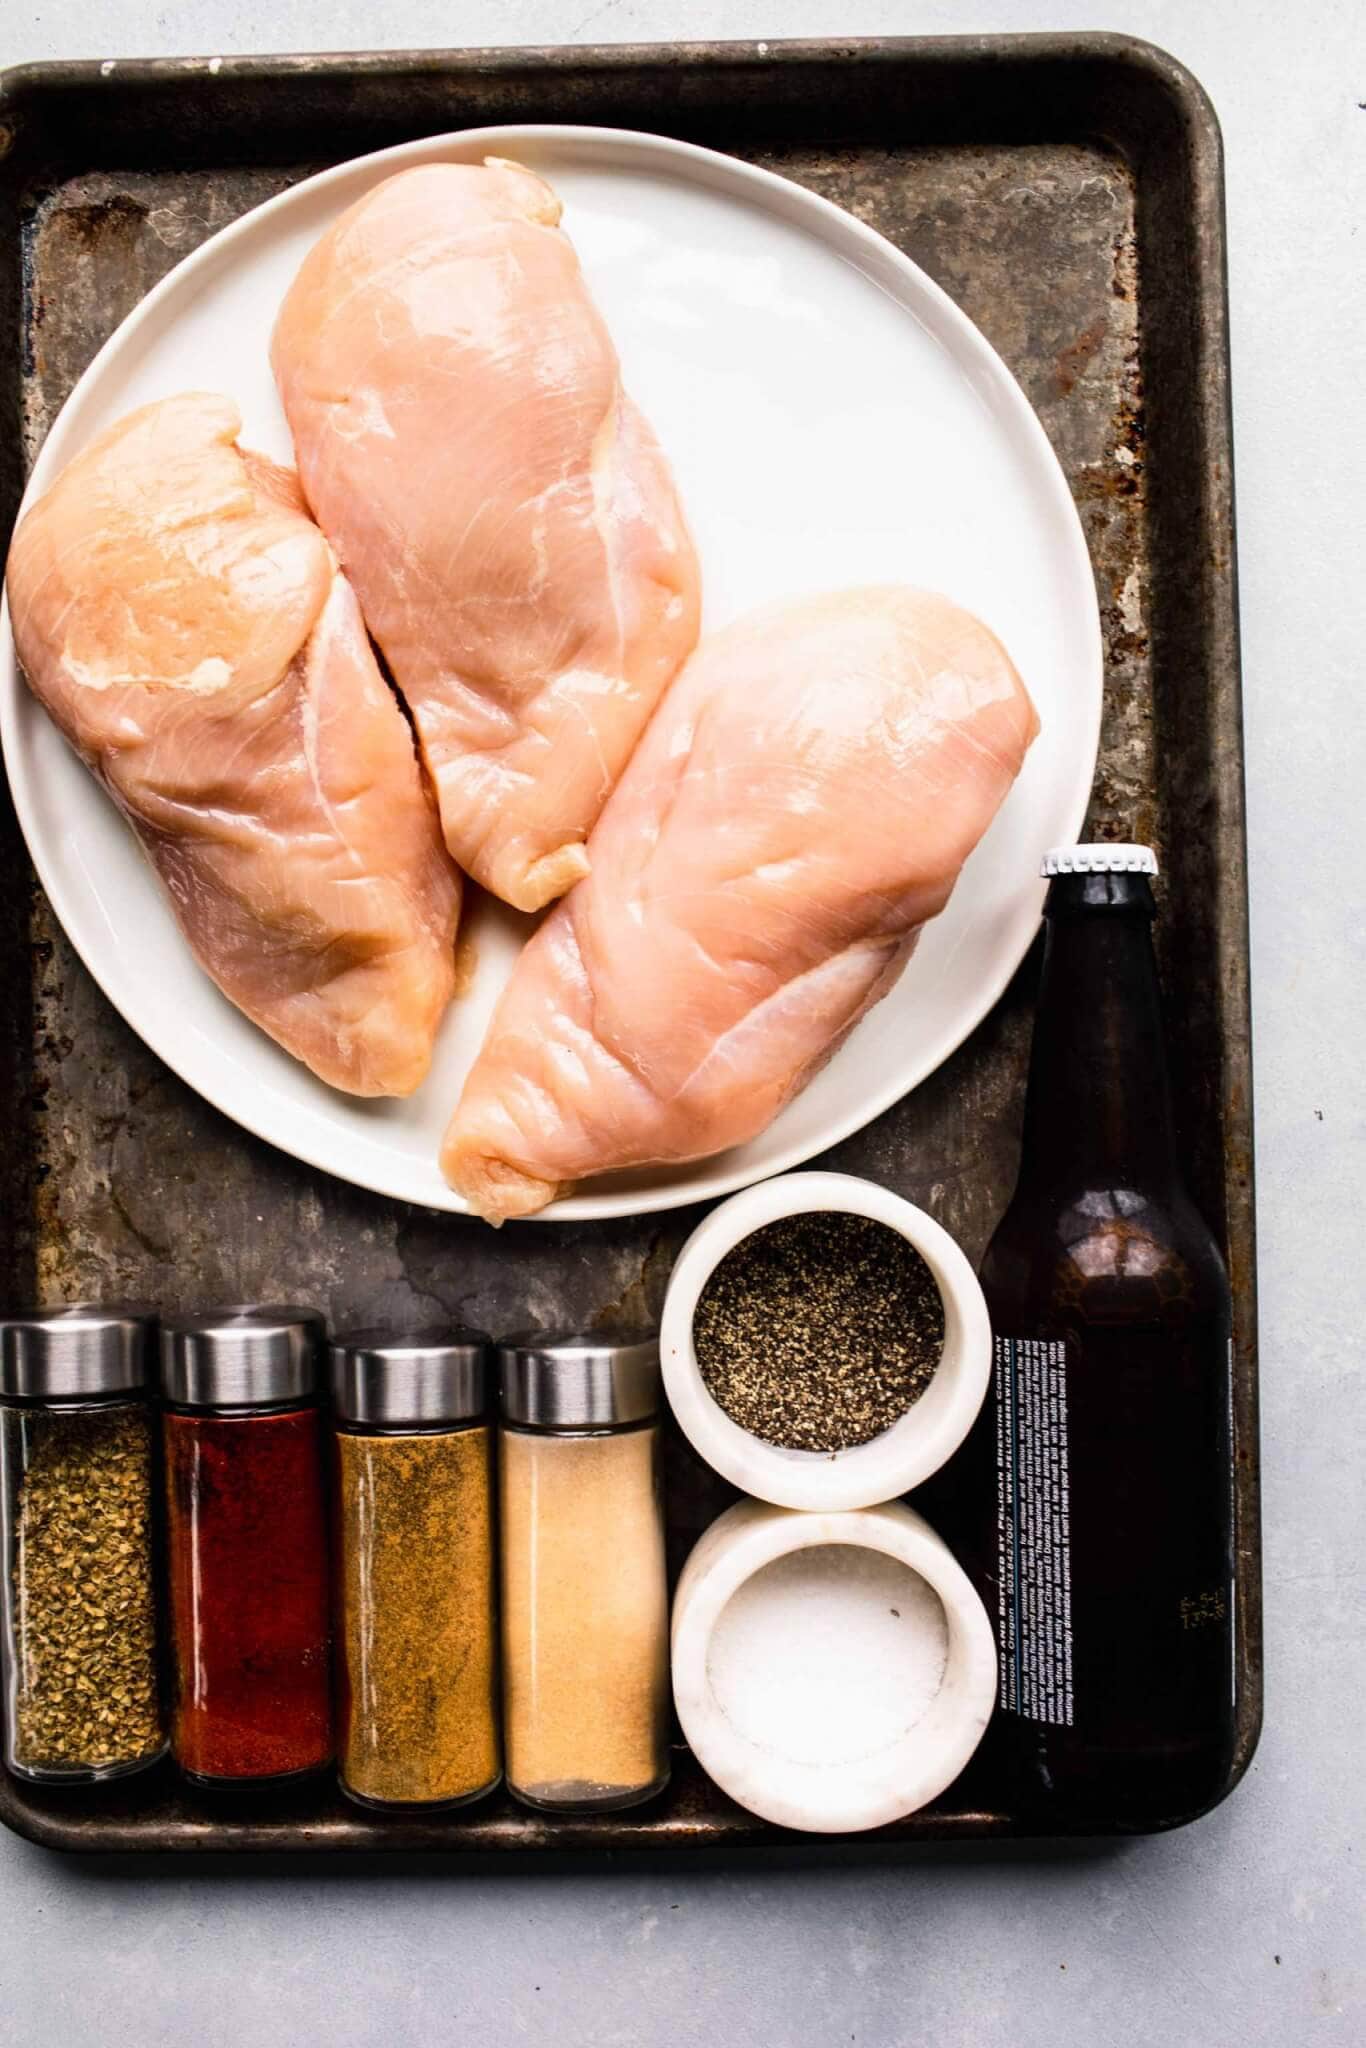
[246, 1545]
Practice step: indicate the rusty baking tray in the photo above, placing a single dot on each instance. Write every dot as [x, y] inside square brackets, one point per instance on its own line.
[1068, 192]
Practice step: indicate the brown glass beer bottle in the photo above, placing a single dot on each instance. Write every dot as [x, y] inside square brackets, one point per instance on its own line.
[1110, 1563]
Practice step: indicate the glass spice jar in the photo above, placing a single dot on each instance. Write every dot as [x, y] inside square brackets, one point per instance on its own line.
[247, 1551]
[78, 1625]
[417, 1680]
[585, 1595]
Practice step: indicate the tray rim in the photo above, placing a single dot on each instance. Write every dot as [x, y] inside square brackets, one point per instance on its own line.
[736, 53]
[24, 89]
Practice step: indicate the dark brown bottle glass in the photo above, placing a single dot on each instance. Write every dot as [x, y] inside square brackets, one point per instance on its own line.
[1109, 1568]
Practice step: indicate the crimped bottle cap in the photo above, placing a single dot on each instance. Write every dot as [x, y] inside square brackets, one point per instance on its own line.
[1099, 859]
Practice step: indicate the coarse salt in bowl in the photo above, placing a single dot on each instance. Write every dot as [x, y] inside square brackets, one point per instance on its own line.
[832, 1672]
[903, 1455]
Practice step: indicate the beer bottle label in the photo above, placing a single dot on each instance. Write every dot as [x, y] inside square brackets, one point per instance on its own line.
[1034, 1625]
[1114, 1576]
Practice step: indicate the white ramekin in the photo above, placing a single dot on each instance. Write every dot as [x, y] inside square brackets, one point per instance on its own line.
[901, 1457]
[830, 1797]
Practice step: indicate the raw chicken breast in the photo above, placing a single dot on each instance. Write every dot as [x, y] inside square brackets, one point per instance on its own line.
[799, 807]
[502, 509]
[184, 622]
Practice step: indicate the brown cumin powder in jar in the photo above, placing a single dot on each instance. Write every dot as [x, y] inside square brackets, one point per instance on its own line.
[417, 1721]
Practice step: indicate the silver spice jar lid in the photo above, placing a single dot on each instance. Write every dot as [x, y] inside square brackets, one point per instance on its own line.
[69, 1354]
[241, 1356]
[410, 1379]
[579, 1379]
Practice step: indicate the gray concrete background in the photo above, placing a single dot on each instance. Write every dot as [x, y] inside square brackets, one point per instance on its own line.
[1246, 1928]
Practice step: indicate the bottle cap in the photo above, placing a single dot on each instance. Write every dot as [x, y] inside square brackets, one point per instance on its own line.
[409, 1379]
[1099, 859]
[240, 1357]
[576, 1379]
[70, 1354]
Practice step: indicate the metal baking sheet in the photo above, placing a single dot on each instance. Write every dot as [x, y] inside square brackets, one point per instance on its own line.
[1068, 192]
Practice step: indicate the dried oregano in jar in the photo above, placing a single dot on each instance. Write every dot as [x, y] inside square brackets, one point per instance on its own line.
[79, 1606]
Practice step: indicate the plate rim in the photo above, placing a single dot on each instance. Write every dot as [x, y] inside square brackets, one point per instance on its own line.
[707, 1179]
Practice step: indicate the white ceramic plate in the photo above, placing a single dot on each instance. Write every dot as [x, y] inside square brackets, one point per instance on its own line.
[832, 418]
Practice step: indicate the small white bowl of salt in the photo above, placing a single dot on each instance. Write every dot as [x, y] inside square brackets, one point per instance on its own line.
[832, 1672]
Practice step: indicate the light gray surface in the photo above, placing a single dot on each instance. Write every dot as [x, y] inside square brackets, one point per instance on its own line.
[1244, 1929]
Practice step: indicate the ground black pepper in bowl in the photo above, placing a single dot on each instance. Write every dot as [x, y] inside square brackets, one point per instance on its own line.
[819, 1331]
